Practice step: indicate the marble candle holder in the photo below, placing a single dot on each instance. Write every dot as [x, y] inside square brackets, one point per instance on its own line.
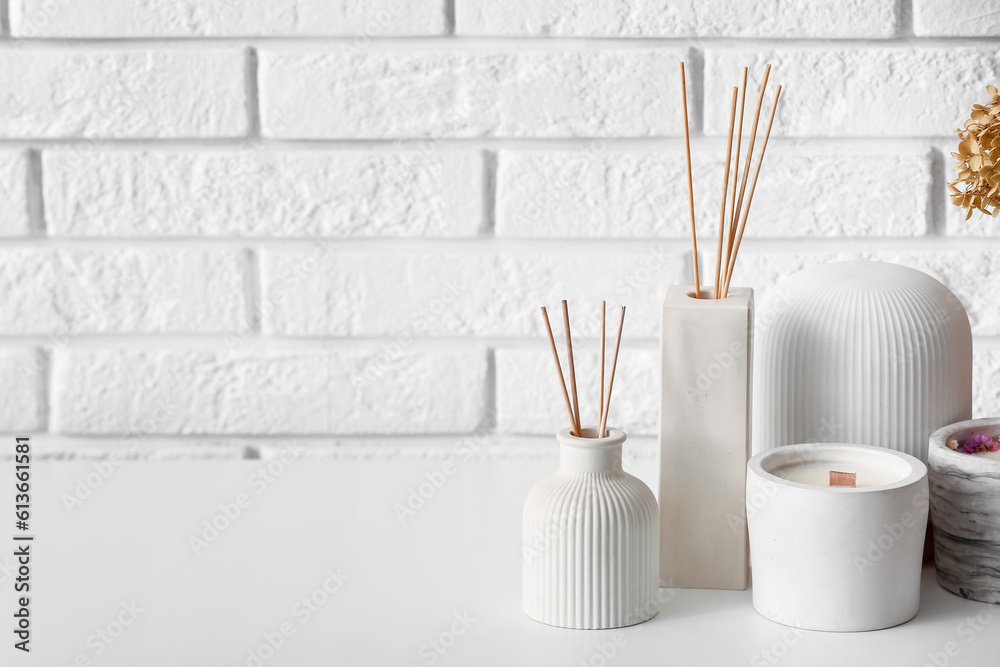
[965, 512]
[836, 558]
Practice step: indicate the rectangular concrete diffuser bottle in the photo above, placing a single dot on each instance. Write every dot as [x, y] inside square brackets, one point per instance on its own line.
[707, 362]
[707, 350]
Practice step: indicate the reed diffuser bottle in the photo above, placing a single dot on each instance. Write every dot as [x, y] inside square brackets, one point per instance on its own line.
[707, 366]
[591, 539]
[591, 530]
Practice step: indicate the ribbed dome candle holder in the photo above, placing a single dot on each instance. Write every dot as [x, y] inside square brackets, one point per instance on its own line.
[864, 352]
[591, 539]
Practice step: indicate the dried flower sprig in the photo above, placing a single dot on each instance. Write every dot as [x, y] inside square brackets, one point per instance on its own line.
[978, 154]
[978, 442]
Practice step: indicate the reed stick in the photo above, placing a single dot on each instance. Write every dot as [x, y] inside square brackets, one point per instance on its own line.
[731, 232]
[602, 429]
[753, 185]
[753, 137]
[572, 368]
[562, 380]
[687, 152]
[600, 402]
[717, 288]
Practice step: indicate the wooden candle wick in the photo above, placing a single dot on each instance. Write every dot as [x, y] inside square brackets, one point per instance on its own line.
[562, 381]
[602, 430]
[843, 478]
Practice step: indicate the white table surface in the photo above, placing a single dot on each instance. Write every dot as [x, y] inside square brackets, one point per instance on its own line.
[459, 554]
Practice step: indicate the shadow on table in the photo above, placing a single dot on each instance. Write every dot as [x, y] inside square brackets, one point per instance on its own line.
[937, 603]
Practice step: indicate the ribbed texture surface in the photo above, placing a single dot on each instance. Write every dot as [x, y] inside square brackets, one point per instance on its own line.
[861, 352]
[591, 545]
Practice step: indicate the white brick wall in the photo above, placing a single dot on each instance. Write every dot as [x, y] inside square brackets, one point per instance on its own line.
[80, 290]
[227, 223]
[308, 392]
[469, 293]
[644, 194]
[13, 193]
[955, 18]
[682, 18]
[253, 191]
[866, 91]
[194, 18]
[22, 404]
[115, 93]
[335, 94]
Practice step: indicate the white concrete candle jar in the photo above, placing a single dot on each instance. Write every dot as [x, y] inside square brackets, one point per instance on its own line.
[836, 558]
[965, 511]
[591, 539]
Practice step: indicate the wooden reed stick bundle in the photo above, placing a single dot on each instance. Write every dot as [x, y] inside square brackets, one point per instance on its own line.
[572, 407]
[753, 185]
[730, 235]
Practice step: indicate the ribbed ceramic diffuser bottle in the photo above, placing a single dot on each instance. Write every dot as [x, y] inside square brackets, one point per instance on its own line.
[591, 539]
[864, 352]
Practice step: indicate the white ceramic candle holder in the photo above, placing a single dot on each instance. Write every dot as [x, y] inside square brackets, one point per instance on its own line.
[965, 512]
[591, 535]
[866, 352]
[706, 362]
[836, 558]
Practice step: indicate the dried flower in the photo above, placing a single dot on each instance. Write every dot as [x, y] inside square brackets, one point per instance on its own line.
[978, 442]
[952, 444]
[978, 154]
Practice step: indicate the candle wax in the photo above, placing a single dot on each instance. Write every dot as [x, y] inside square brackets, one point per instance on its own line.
[818, 473]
